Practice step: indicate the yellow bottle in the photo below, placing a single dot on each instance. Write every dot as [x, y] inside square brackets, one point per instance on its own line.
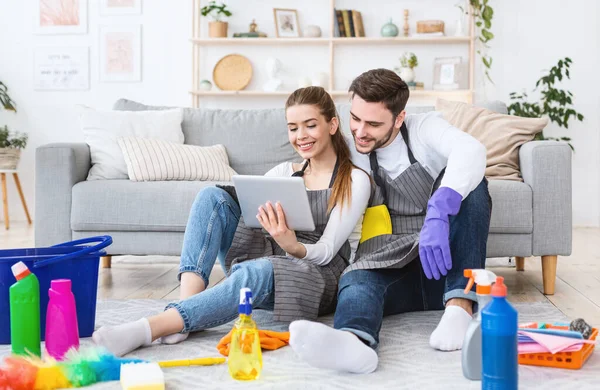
[245, 355]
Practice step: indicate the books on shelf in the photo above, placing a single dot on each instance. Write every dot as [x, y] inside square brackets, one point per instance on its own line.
[250, 35]
[348, 24]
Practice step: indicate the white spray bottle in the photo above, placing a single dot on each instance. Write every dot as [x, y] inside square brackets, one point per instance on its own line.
[471, 349]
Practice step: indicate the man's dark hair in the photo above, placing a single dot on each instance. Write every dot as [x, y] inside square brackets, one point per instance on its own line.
[381, 85]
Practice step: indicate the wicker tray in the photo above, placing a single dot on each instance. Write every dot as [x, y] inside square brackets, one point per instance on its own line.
[430, 26]
[232, 73]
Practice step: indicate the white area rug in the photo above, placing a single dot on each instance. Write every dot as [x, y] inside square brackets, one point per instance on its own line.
[405, 358]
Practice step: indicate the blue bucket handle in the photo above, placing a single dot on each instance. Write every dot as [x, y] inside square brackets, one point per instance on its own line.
[104, 241]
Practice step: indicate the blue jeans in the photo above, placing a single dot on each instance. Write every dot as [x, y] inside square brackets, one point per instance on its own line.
[366, 296]
[209, 232]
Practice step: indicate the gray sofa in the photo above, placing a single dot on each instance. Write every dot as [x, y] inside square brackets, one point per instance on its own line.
[530, 218]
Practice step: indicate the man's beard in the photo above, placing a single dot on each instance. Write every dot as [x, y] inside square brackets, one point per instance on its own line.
[378, 143]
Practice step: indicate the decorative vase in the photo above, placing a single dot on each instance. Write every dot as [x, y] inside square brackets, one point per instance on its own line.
[389, 29]
[217, 29]
[407, 74]
[9, 158]
[205, 85]
[459, 29]
[312, 31]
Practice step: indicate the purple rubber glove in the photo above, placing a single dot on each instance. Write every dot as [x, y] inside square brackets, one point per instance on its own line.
[434, 241]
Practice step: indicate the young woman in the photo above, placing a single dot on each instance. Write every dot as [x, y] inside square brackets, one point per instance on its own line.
[295, 274]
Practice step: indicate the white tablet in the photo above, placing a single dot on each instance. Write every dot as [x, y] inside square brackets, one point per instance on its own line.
[254, 191]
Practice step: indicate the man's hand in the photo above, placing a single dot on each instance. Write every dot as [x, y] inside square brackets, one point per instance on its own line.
[434, 240]
[273, 221]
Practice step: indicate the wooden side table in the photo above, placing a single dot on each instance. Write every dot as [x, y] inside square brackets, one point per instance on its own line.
[3, 173]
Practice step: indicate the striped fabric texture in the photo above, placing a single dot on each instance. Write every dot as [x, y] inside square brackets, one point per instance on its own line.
[156, 160]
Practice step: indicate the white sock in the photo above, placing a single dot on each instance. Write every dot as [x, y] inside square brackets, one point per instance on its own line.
[122, 339]
[324, 347]
[450, 332]
[174, 338]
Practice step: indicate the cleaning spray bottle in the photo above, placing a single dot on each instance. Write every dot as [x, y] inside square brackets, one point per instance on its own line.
[499, 325]
[25, 312]
[245, 355]
[62, 332]
[471, 349]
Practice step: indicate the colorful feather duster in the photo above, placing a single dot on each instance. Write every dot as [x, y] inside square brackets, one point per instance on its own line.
[78, 369]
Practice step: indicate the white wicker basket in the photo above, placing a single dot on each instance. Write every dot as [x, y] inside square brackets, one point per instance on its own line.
[9, 158]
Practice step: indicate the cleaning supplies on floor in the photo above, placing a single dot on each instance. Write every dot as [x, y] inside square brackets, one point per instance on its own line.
[499, 324]
[62, 332]
[24, 296]
[142, 376]
[245, 356]
[269, 340]
[471, 349]
[83, 367]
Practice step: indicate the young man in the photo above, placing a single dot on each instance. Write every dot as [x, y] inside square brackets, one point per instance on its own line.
[430, 175]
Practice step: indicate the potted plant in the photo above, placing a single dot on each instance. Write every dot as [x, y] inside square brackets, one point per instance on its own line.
[10, 144]
[408, 62]
[553, 102]
[216, 28]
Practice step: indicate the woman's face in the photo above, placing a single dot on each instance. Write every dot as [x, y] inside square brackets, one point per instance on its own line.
[308, 130]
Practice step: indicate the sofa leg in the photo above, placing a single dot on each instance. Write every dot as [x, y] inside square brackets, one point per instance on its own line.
[549, 273]
[106, 261]
[520, 263]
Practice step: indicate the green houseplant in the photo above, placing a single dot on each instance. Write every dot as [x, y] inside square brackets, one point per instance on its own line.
[216, 28]
[408, 62]
[483, 14]
[10, 144]
[554, 103]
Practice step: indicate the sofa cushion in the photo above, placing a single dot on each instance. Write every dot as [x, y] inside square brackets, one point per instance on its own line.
[256, 140]
[123, 205]
[512, 207]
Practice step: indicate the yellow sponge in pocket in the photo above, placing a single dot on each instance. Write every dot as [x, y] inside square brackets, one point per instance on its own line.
[376, 222]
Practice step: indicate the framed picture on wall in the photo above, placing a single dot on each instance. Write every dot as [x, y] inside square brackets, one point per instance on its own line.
[61, 68]
[60, 16]
[120, 53]
[286, 23]
[120, 7]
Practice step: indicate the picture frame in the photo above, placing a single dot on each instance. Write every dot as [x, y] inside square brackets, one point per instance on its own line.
[61, 69]
[450, 73]
[286, 23]
[120, 55]
[60, 17]
[120, 7]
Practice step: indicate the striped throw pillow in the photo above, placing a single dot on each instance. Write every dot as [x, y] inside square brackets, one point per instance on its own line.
[154, 159]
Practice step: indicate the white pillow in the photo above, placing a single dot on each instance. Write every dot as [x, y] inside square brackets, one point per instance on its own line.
[101, 129]
[154, 160]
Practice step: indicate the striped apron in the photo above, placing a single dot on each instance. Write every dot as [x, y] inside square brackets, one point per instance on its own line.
[406, 198]
[302, 290]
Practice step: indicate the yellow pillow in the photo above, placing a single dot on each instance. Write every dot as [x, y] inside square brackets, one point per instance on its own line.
[376, 222]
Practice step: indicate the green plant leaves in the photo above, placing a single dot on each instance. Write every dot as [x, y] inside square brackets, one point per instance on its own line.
[554, 103]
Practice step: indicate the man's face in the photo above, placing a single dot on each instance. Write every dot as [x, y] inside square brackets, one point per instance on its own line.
[372, 125]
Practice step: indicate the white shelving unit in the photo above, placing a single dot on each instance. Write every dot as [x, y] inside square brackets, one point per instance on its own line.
[331, 41]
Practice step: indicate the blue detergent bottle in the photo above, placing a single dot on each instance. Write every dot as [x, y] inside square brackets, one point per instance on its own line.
[499, 323]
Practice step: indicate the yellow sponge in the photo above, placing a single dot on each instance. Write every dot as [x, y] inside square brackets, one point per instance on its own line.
[142, 376]
[376, 222]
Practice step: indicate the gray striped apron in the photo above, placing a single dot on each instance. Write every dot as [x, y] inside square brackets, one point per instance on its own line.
[302, 290]
[406, 198]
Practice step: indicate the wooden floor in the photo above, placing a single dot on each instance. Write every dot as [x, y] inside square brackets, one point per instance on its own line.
[577, 286]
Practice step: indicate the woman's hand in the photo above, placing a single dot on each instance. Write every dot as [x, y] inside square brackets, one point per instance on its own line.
[273, 221]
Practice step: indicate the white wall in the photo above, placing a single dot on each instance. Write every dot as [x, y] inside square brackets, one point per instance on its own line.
[530, 37]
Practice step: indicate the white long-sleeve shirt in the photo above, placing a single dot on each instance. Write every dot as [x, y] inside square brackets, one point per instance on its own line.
[436, 144]
[343, 224]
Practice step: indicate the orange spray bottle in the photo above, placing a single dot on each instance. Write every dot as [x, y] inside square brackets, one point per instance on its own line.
[471, 349]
